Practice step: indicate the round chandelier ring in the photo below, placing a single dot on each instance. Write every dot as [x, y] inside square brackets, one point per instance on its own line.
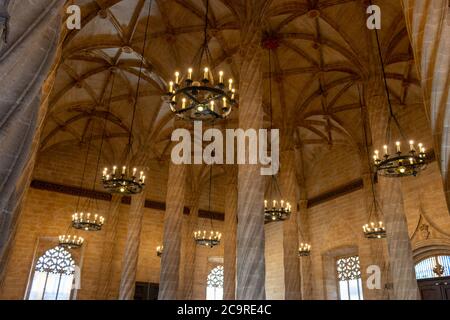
[124, 183]
[70, 242]
[201, 102]
[401, 164]
[206, 239]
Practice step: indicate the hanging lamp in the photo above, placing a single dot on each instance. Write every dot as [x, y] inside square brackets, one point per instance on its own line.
[202, 94]
[276, 208]
[394, 161]
[212, 237]
[126, 179]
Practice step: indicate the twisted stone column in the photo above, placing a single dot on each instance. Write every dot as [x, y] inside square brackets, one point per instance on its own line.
[229, 265]
[399, 246]
[289, 186]
[189, 252]
[250, 229]
[26, 59]
[428, 24]
[105, 276]
[170, 261]
[305, 262]
[131, 254]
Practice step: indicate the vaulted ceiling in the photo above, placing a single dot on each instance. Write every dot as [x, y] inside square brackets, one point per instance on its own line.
[322, 56]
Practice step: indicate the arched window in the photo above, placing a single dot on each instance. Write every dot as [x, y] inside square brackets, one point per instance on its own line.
[214, 289]
[433, 267]
[53, 276]
[349, 276]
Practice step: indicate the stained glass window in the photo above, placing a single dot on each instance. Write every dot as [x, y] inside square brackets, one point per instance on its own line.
[214, 290]
[349, 277]
[53, 276]
[428, 268]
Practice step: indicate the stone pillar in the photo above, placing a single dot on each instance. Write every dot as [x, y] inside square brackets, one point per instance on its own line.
[31, 48]
[110, 239]
[229, 266]
[131, 254]
[305, 262]
[428, 24]
[173, 220]
[189, 251]
[289, 186]
[250, 229]
[390, 193]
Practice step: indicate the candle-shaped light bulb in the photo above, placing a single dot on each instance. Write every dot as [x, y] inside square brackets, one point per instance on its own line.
[171, 86]
[230, 84]
[134, 172]
[114, 170]
[411, 145]
[206, 74]
[224, 102]
[265, 203]
[177, 77]
[143, 179]
[190, 74]
[411, 160]
[385, 147]
[274, 203]
[233, 92]
[183, 103]
[221, 77]
[124, 169]
[375, 158]
[377, 153]
[142, 174]
[398, 146]
[212, 105]
[282, 203]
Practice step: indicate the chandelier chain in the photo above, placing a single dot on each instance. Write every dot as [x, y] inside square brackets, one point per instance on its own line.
[388, 95]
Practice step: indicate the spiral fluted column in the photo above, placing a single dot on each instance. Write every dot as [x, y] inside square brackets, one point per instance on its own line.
[305, 262]
[250, 229]
[31, 47]
[173, 220]
[131, 253]
[428, 24]
[229, 265]
[289, 191]
[109, 242]
[189, 252]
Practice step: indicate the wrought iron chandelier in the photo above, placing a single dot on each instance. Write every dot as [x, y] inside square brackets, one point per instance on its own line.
[304, 250]
[275, 209]
[201, 94]
[397, 164]
[208, 238]
[372, 230]
[401, 164]
[159, 251]
[71, 241]
[126, 181]
[87, 222]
